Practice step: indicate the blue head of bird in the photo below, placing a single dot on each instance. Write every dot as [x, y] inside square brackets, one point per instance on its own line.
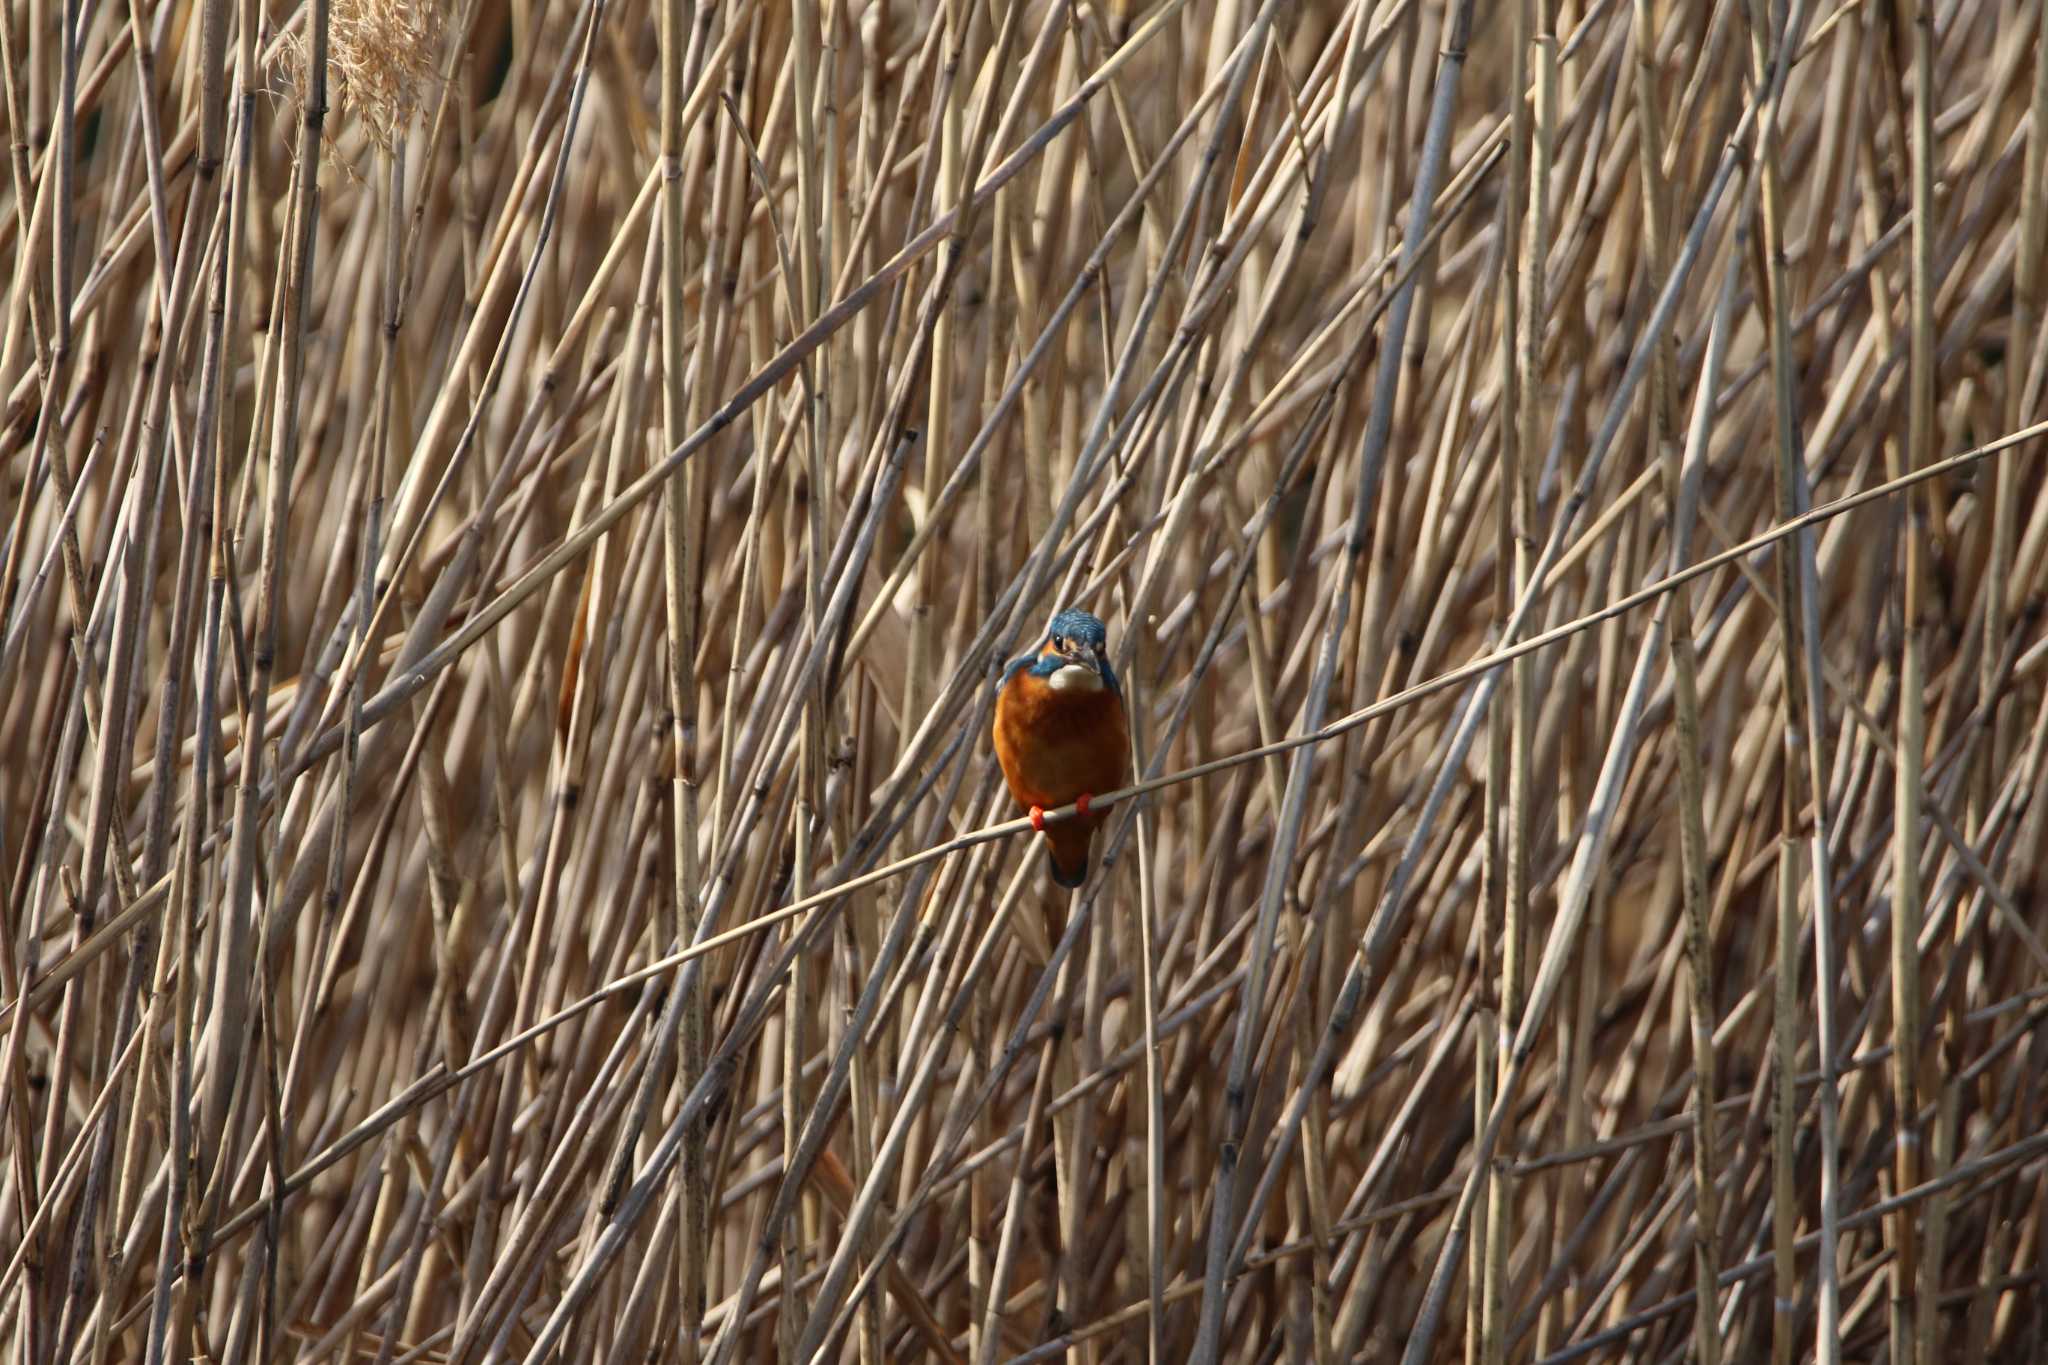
[1074, 656]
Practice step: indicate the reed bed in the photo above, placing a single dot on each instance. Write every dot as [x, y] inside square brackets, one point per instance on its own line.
[512, 513]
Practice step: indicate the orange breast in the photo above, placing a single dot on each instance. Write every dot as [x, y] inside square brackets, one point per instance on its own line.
[1054, 746]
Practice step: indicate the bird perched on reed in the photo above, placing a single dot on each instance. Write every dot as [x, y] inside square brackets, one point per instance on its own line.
[1061, 735]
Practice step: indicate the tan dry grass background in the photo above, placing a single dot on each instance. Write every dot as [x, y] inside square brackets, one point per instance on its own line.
[370, 518]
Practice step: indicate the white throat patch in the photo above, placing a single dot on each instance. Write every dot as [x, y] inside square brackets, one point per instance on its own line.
[1075, 678]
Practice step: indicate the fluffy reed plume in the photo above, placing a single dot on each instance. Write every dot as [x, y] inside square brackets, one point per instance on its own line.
[499, 584]
[380, 60]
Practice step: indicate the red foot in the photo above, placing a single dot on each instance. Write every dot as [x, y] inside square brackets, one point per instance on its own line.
[1038, 818]
[1081, 803]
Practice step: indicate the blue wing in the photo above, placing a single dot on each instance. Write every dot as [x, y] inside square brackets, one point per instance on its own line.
[1013, 668]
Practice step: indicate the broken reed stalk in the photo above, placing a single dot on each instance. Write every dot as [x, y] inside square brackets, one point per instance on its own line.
[458, 904]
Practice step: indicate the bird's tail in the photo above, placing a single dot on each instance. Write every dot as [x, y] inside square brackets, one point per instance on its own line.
[1066, 851]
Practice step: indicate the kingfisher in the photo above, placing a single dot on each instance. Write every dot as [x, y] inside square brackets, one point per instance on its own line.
[1061, 735]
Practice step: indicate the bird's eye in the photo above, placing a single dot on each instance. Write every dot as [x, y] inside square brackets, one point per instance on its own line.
[1058, 643]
